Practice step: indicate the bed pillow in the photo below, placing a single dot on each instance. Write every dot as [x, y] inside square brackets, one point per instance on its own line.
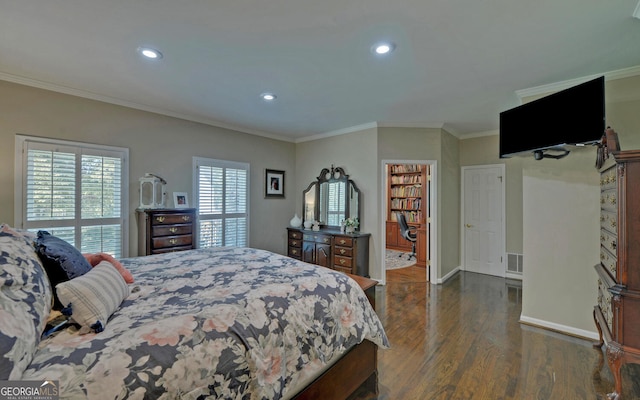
[61, 260]
[25, 302]
[95, 259]
[94, 296]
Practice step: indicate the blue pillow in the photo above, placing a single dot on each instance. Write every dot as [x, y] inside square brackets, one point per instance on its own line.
[61, 260]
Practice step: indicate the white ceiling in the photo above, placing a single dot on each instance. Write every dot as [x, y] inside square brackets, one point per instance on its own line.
[457, 63]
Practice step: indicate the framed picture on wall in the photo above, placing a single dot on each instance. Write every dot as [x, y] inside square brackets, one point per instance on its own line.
[274, 184]
[180, 200]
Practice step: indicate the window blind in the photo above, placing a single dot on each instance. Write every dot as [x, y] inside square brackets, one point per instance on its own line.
[75, 191]
[222, 195]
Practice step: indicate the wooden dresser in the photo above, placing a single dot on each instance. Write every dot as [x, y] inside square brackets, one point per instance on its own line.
[617, 314]
[164, 230]
[345, 252]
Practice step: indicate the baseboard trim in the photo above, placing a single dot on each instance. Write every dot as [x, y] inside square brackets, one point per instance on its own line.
[552, 326]
[448, 276]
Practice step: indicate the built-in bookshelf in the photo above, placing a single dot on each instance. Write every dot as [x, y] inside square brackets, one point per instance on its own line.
[406, 190]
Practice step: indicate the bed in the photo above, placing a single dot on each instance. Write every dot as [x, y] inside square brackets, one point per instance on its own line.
[226, 323]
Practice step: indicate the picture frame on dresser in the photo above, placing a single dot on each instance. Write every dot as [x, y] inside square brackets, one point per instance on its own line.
[180, 200]
[274, 184]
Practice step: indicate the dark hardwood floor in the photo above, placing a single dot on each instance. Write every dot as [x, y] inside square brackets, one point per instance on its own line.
[462, 340]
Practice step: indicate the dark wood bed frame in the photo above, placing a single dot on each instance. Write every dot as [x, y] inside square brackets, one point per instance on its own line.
[358, 367]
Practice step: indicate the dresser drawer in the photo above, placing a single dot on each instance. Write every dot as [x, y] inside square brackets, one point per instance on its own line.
[317, 237]
[609, 261]
[172, 241]
[344, 241]
[343, 262]
[295, 235]
[609, 221]
[342, 269]
[609, 241]
[295, 243]
[170, 219]
[609, 200]
[171, 230]
[344, 251]
[170, 249]
[294, 252]
[604, 302]
[608, 178]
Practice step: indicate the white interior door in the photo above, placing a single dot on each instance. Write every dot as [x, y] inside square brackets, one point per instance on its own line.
[483, 219]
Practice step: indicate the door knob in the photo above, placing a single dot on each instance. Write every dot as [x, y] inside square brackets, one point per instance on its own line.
[469, 225]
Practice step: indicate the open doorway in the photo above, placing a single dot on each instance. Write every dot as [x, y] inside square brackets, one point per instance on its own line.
[408, 193]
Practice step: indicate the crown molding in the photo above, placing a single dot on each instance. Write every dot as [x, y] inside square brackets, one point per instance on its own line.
[428, 125]
[494, 132]
[138, 106]
[555, 87]
[343, 131]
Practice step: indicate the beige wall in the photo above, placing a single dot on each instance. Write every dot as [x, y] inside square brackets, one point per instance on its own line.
[561, 223]
[158, 144]
[436, 145]
[353, 152]
[449, 189]
[561, 235]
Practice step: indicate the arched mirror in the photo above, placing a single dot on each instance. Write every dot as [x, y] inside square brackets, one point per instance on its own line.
[331, 198]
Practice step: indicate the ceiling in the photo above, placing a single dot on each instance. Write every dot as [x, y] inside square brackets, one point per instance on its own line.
[456, 64]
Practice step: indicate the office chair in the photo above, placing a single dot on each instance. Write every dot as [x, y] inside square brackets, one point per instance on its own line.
[408, 232]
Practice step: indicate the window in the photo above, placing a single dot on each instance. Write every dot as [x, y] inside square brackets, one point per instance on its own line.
[222, 189]
[75, 191]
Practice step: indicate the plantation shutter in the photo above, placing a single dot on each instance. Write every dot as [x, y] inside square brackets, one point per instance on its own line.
[336, 204]
[75, 191]
[222, 195]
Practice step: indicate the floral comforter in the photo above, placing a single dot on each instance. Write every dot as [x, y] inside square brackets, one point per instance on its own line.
[232, 323]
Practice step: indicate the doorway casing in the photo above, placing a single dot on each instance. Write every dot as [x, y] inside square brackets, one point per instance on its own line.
[432, 245]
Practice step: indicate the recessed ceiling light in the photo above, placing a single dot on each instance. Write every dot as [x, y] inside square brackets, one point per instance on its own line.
[268, 96]
[150, 53]
[383, 48]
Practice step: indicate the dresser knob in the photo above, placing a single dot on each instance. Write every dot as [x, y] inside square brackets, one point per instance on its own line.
[342, 261]
[343, 241]
[186, 218]
[342, 251]
[173, 241]
[173, 230]
[160, 219]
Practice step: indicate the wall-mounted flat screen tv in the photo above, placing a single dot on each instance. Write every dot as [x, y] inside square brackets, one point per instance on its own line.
[572, 116]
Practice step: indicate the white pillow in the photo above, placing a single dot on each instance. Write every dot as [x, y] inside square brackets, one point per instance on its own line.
[94, 296]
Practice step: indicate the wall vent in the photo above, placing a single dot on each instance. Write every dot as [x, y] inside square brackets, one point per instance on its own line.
[514, 263]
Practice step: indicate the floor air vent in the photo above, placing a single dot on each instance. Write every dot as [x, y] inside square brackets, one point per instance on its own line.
[514, 263]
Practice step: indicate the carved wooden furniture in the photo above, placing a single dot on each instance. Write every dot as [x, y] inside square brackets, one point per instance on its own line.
[345, 252]
[617, 314]
[331, 198]
[163, 230]
[406, 193]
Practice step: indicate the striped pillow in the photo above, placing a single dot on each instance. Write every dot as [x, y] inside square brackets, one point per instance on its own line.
[94, 296]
